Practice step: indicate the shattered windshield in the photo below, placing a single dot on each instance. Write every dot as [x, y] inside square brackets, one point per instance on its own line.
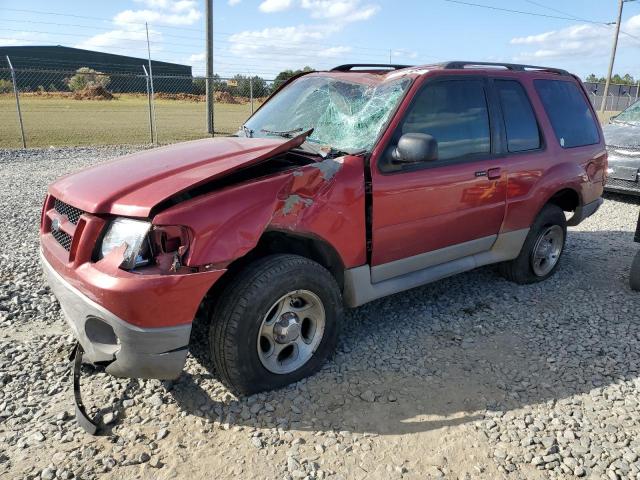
[347, 116]
[630, 115]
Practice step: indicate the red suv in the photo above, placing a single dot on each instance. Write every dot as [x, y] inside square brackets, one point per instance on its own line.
[345, 186]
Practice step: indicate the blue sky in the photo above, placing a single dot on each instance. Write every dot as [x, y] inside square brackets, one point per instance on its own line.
[266, 36]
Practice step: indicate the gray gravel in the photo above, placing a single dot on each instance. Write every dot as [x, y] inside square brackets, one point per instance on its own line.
[471, 377]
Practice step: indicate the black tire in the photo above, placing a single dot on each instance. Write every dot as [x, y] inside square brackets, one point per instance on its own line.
[521, 269]
[237, 318]
[634, 276]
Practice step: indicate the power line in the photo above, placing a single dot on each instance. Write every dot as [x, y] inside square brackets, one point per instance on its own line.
[534, 14]
[40, 12]
[382, 51]
[519, 12]
[602, 24]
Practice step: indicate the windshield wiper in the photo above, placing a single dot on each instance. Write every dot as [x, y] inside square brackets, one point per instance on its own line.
[284, 133]
[247, 131]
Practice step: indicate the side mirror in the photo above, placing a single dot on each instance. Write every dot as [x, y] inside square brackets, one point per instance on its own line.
[415, 148]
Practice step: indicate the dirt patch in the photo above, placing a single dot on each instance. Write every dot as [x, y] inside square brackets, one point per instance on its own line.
[225, 97]
[219, 97]
[41, 94]
[185, 97]
[93, 93]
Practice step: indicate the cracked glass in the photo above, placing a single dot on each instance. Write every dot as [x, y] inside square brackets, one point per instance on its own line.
[347, 116]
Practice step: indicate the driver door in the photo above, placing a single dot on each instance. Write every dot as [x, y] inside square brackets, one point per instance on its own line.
[429, 213]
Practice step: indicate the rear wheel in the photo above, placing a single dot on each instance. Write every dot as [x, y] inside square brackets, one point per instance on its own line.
[275, 323]
[634, 277]
[542, 249]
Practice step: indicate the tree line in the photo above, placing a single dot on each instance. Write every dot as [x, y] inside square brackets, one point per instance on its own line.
[242, 85]
[625, 79]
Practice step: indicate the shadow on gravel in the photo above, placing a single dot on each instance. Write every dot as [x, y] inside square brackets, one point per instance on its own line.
[441, 355]
[618, 197]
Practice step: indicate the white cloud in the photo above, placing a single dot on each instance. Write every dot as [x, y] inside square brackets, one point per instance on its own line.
[127, 40]
[130, 35]
[173, 5]
[298, 45]
[403, 53]
[333, 52]
[343, 10]
[188, 17]
[21, 38]
[576, 41]
[265, 41]
[197, 57]
[280, 48]
[233, 3]
[270, 6]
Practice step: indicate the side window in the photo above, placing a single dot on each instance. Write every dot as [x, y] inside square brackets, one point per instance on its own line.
[455, 113]
[569, 113]
[519, 120]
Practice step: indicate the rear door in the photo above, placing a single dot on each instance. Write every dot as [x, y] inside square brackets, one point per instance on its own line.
[433, 212]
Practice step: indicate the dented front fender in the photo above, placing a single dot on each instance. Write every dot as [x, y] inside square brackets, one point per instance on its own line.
[325, 200]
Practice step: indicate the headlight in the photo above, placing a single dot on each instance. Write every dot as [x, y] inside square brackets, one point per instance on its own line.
[134, 234]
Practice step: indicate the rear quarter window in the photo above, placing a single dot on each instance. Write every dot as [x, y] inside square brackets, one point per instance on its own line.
[569, 113]
[519, 120]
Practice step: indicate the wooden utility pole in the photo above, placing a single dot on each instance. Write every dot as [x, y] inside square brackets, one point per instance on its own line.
[603, 106]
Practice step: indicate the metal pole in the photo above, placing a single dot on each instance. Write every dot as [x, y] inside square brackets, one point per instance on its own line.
[154, 131]
[149, 98]
[209, 79]
[15, 91]
[251, 92]
[613, 55]
[638, 90]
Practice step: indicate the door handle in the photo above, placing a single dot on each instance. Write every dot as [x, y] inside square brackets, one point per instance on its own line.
[494, 173]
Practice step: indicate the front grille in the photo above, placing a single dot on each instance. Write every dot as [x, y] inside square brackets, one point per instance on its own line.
[72, 213]
[62, 238]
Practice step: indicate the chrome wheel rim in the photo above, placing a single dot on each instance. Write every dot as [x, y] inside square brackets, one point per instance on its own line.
[547, 250]
[291, 331]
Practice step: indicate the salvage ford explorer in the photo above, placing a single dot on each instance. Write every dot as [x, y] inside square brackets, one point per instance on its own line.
[344, 187]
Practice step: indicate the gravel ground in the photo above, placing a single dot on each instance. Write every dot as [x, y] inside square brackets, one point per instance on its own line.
[471, 377]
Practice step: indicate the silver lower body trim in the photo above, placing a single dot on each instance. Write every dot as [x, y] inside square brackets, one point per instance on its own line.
[360, 287]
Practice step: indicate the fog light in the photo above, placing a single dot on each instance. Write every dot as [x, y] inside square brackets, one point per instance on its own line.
[100, 332]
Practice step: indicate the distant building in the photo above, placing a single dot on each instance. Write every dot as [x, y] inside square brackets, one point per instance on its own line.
[57, 63]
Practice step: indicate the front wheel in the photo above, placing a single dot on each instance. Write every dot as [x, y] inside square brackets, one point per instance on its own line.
[542, 249]
[275, 323]
[634, 277]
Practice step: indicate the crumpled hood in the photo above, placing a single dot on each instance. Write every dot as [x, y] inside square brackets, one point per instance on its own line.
[622, 135]
[132, 185]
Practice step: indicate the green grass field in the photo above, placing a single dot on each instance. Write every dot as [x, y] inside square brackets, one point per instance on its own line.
[64, 121]
[56, 121]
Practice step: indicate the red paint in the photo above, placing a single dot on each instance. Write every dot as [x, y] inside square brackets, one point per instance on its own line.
[329, 210]
[132, 185]
[412, 212]
[416, 212]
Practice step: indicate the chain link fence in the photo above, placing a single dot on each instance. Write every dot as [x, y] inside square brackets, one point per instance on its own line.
[42, 108]
[615, 103]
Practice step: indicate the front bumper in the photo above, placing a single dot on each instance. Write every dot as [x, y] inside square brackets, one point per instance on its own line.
[128, 350]
[623, 175]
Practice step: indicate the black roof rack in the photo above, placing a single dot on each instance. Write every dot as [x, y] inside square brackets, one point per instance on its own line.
[509, 66]
[377, 66]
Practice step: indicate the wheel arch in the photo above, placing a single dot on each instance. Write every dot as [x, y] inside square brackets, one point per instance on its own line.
[568, 199]
[271, 242]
